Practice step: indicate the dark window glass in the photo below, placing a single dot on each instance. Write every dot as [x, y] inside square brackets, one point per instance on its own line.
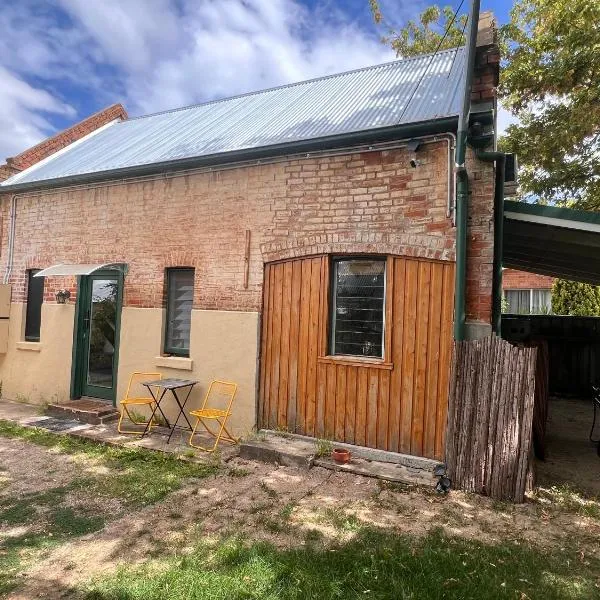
[358, 307]
[180, 295]
[33, 314]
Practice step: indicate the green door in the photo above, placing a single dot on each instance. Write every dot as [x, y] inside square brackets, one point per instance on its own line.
[96, 348]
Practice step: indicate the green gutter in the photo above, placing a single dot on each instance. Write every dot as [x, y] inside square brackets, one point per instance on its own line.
[462, 180]
[383, 134]
[500, 159]
[553, 212]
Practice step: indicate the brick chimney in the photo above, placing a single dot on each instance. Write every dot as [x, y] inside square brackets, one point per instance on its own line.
[487, 60]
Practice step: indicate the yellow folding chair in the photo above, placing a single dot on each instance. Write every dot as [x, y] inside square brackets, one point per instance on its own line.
[216, 407]
[137, 395]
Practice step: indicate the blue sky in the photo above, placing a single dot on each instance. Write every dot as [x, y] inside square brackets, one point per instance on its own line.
[61, 60]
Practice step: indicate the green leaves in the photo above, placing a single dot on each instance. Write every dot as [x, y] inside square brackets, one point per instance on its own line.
[424, 36]
[575, 299]
[550, 81]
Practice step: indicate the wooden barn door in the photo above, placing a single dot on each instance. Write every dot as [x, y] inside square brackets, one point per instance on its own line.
[398, 403]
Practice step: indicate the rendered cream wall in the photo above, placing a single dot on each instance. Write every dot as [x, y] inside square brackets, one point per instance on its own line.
[223, 345]
[39, 372]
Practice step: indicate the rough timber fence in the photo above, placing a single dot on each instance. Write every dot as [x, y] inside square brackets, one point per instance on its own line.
[490, 418]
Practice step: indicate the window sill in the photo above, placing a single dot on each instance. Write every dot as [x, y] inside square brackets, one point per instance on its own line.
[30, 346]
[181, 363]
[358, 361]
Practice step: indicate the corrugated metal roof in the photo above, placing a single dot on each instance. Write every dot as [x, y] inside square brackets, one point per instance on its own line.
[355, 101]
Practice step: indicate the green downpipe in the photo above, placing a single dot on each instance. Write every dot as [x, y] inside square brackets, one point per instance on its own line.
[500, 159]
[462, 180]
[462, 204]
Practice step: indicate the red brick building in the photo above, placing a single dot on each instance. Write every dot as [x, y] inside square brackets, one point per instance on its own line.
[59, 141]
[527, 293]
[299, 241]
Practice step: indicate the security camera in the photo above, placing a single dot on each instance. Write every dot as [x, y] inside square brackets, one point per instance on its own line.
[413, 148]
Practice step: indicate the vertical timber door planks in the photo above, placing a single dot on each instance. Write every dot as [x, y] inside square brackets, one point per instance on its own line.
[397, 404]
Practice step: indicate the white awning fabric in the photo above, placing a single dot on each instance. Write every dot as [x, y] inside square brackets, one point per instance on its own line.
[66, 270]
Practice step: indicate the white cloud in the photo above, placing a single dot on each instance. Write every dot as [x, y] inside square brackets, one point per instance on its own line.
[172, 55]
[22, 120]
[160, 54]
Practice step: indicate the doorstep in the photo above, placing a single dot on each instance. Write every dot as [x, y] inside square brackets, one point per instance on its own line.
[299, 451]
[86, 410]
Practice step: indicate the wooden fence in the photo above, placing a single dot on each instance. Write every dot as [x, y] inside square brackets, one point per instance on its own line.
[491, 407]
[573, 348]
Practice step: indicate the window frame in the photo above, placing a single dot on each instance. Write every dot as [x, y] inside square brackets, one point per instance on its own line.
[28, 307]
[169, 351]
[530, 294]
[331, 312]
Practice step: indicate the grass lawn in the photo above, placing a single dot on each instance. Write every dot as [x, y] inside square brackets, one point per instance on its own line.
[373, 564]
[261, 532]
[40, 521]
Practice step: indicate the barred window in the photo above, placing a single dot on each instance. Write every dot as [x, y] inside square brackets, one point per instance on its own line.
[358, 307]
[33, 313]
[180, 296]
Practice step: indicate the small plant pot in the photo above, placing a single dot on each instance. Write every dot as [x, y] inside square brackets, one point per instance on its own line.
[341, 456]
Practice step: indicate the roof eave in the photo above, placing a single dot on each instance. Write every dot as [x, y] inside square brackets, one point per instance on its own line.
[396, 132]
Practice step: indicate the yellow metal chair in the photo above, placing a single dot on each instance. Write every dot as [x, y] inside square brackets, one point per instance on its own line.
[215, 407]
[137, 395]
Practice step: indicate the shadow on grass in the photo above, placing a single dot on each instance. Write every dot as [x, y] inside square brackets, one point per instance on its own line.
[374, 564]
[134, 475]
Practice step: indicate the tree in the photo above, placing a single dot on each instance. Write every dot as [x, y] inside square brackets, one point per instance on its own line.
[575, 299]
[425, 36]
[550, 82]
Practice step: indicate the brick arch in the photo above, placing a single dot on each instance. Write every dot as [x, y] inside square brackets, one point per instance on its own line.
[181, 258]
[409, 245]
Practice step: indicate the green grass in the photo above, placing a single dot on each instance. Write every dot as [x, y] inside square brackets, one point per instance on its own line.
[323, 448]
[50, 525]
[340, 519]
[374, 564]
[136, 476]
[569, 499]
[22, 510]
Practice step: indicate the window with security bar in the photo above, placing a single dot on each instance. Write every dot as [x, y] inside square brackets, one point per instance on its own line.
[358, 307]
[180, 296]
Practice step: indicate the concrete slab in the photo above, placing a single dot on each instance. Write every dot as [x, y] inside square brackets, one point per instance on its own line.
[408, 460]
[300, 451]
[28, 416]
[280, 450]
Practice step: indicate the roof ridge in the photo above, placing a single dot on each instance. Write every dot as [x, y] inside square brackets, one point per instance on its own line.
[295, 83]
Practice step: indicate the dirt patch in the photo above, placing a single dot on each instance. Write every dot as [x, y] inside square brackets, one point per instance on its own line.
[290, 507]
[25, 468]
[285, 506]
[571, 458]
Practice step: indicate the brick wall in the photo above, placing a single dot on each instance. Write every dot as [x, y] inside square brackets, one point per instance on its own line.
[60, 140]
[364, 203]
[521, 280]
[480, 240]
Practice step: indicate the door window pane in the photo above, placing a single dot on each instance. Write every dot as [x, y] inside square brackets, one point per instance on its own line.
[103, 326]
[518, 301]
[358, 307]
[180, 296]
[33, 314]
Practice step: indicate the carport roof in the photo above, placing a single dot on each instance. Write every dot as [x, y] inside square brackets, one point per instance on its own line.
[560, 242]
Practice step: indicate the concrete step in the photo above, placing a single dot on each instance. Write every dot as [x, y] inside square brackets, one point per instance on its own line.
[300, 451]
[85, 410]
